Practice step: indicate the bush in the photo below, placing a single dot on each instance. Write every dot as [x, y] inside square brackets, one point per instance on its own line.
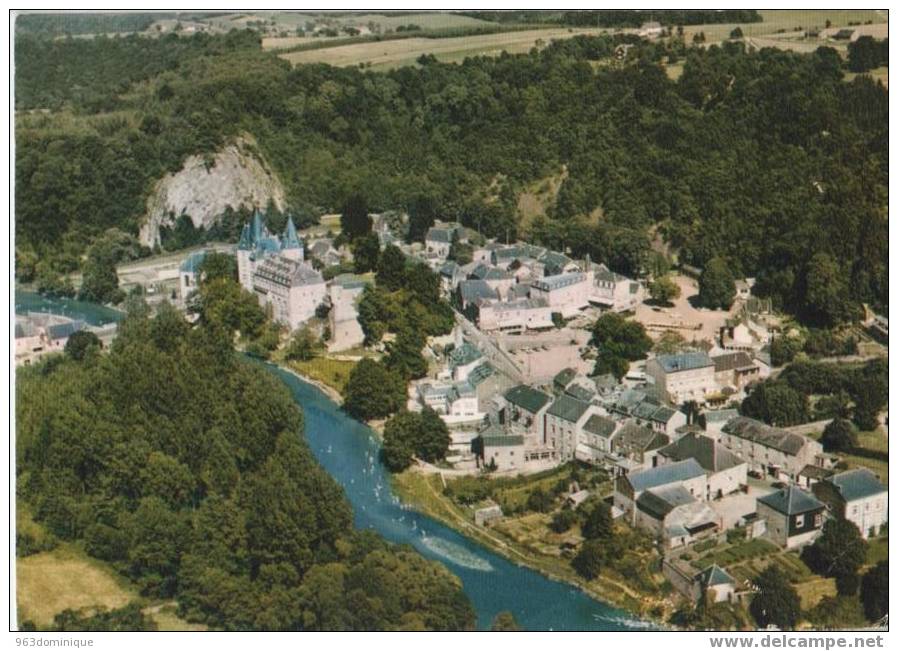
[563, 520]
[839, 436]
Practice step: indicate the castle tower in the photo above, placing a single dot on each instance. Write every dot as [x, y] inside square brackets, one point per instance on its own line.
[291, 247]
[245, 262]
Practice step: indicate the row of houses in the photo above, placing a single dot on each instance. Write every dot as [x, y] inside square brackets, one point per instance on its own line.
[700, 377]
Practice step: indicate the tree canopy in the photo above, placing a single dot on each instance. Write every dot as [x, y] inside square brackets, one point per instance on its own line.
[776, 601]
[767, 159]
[183, 466]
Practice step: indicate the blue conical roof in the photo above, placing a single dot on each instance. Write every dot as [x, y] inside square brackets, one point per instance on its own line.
[258, 226]
[246, 239]
[291, 239]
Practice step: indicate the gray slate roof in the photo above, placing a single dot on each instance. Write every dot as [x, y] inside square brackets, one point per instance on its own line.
[710, 455]
[791, 501]
[475, 290]
[720, 415]
[568, 408]
[731, 361]
[771, 437]
[527, 398]
[666, 474]
[661, 501]
[286, 272]
[636, 437]
[714, 575]
[857, 484]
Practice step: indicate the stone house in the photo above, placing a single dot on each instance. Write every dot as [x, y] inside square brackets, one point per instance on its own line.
[688, 473]
[564, 423]
[726, 472]
[639, 444]
[683, 377]
[770, 450]
[794, 517]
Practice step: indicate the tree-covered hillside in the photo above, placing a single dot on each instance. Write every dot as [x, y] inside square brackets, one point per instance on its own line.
[184, 467]
[768, 160]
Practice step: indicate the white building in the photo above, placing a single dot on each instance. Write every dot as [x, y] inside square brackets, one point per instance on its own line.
[514, 316]
[566, 293]
[343, 318]
[684, 376]
[189, 273]
[688, 474]
[614, 291]
[273, 269]
[858, 496]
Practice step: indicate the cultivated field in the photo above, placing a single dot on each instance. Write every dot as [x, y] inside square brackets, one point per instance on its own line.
[786, 21]
[386, 55]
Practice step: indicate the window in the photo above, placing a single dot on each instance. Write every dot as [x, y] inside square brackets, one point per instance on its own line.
[799, 520]
[818, 520]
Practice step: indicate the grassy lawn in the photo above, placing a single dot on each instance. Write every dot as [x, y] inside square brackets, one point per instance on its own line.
[877, 550]
[50, 582]
[332, 372]
[812, 591]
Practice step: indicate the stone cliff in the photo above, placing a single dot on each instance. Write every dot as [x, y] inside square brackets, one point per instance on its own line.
[235, 176]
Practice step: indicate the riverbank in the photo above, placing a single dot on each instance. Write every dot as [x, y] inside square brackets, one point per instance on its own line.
[419, 492]
[326, 389]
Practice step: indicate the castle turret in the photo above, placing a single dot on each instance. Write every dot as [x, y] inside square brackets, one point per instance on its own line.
[291, 247]
[245, 258]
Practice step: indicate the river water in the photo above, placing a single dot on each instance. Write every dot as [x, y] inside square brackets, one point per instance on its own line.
[348, 450]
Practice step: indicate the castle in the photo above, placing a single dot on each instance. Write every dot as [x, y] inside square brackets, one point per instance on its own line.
[274, 269]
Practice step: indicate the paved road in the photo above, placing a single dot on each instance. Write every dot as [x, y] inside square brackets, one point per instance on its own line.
[490, 350]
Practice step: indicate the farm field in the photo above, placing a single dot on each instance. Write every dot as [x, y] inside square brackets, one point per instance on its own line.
[385, 55]
[787, 20]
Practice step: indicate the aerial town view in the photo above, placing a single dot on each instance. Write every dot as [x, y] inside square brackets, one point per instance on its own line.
[519, 320]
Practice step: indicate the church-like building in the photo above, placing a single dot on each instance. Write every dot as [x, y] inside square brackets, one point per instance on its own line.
[274, 269]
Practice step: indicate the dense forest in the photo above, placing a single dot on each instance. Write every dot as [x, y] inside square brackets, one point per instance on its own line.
[768, 160]
[183, 466]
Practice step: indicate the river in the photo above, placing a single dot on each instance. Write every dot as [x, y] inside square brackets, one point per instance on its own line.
[348, 450]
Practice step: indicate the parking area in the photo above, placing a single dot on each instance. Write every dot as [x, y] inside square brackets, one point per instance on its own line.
[695, 324]
[733, 507]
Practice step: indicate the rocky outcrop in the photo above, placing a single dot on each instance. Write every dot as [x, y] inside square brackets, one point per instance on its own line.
[236, 176]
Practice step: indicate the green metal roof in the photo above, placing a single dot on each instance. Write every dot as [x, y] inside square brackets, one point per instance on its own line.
[600, 425]
[464, 354]
[568, 408]
[502, 441]
[564, 377]
[527, 398]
